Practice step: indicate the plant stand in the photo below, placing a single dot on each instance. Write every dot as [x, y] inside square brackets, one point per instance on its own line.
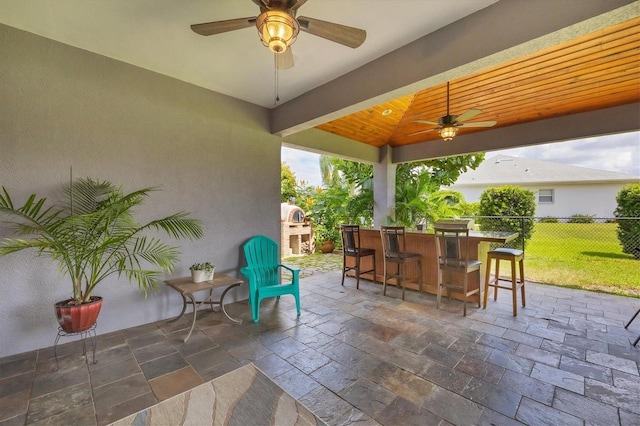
[84, 335]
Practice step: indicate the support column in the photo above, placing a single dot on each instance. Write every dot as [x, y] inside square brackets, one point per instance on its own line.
[384, 188]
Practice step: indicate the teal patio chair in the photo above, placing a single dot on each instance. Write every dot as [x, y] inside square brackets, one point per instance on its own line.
[263, 272]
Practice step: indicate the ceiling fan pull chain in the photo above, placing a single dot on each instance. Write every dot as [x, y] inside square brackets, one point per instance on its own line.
[275, 61]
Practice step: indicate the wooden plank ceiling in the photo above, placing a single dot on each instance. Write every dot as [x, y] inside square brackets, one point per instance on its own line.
[596, 71]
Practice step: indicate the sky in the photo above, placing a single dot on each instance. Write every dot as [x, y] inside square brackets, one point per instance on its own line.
[618, 153]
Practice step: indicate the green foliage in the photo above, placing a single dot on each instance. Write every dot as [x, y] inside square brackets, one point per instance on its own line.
[549, 219]
[418, 195]
[206, 267]
[628, 200]
[581, 218]
[516, 204]
[94, 235]
[287, 183]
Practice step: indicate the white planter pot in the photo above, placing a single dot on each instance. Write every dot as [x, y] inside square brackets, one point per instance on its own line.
[200, 276]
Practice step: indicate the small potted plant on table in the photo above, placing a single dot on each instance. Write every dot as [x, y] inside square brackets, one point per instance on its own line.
[202, 272]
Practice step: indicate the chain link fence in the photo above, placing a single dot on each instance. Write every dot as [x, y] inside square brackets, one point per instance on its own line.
[584, 251]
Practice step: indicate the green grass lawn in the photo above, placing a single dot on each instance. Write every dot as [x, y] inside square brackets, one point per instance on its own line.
[587, 256]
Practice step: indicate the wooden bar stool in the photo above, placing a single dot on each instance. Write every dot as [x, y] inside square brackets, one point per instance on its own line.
[513, 256]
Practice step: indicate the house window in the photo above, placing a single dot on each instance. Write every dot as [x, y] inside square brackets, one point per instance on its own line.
[545, 196]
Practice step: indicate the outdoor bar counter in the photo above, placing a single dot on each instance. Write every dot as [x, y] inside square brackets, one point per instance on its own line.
[425, 244]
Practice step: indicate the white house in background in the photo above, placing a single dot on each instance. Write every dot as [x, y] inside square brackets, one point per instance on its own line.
[561, 190]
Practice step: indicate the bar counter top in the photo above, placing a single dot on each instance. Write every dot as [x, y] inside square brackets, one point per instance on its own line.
[424, 243]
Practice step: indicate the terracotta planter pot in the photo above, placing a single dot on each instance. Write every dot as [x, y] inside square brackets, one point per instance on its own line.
[327, 247]
[77, 318]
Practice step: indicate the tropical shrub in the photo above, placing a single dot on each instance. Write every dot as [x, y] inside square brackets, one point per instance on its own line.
[581, 218]
[628, 200]
[508, 208]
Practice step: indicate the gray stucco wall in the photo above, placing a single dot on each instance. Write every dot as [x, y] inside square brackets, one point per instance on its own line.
[63, 107]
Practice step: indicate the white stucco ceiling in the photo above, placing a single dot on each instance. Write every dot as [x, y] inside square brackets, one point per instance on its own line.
[155, 35]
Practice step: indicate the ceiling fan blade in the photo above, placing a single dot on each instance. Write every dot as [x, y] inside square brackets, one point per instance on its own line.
[217, 27]
[261, 3]
[480, 124]
[468, 114]
[426, 122]
[347, 36]
[284, 60]
[421, 131]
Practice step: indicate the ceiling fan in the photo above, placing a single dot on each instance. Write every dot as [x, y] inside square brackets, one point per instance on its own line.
[278, 28]
[448, 125]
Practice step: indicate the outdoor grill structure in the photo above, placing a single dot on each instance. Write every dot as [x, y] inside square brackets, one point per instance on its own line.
[296, 233]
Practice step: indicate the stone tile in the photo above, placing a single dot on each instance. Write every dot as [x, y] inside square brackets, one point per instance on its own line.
[163, 365]
[520, 337]
[539, 355]
[546, 333]
[60, 379]
[18, 420]
[287, 347]
[219, 370]
[335, 376]
[495, 342]
[249, 352]
[562, 349]
[586, 344]
[489, 395]
[445, 356]
[345, 354]
[81, 415]
[533, 413]
[614, 362]
[356, 417]
[130, 406]
[407, 385]
[15, 404]
[174, 383]
[57, 402]
[296, 383]
[586, 369]
[467, 347]
[629, 419]
[104, 373]
[493, 418]
[510, 361]
[625, 399]
[155, 351]
[198, 342]
[593, 412]
[16, 384]
[146, 339]
[15, 365]
[532, 388]
[446, 377]
[368, 397]
[480, 369]
[626, 380]
[309, 360]
[453, 407]
[557, 377]
[116, 393]
[206, 360]
[628, 352]
[331, 328]
[326, 404]
[405, 413]
[272, 365]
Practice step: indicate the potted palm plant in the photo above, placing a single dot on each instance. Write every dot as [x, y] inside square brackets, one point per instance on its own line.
[92, 235]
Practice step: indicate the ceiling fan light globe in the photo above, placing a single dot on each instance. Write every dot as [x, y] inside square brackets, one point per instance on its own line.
[278, 30]
[448, 133]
